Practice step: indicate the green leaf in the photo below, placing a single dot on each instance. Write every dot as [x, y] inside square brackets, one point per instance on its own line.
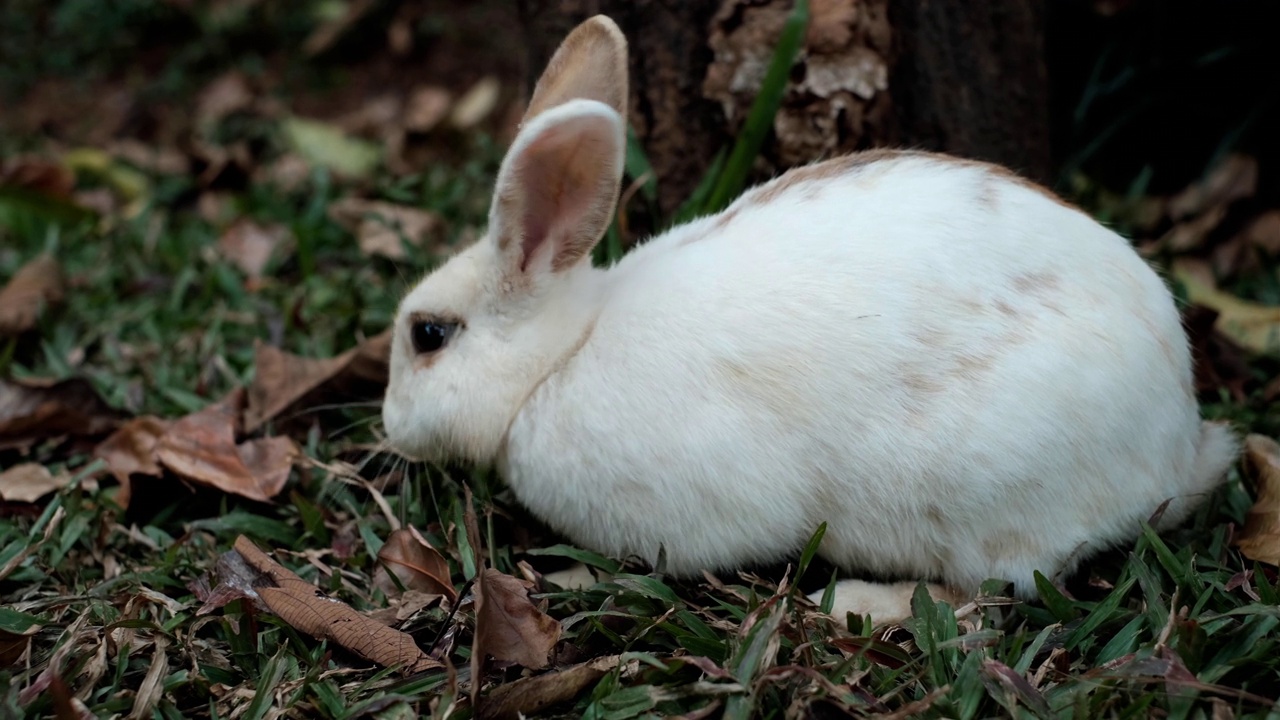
[264, 693]
[1055, 601]
[326, 146]
[583, 556]
[19, 623]
[810, 550]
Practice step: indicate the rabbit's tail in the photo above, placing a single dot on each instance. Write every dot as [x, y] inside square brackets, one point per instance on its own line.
[1217, 448]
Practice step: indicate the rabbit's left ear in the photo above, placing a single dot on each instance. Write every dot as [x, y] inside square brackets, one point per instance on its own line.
[557, 188]
[590, 64]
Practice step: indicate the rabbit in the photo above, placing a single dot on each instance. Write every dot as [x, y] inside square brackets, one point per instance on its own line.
[963, 375]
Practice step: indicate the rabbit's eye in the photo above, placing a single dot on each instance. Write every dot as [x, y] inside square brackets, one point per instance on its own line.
[430, 336]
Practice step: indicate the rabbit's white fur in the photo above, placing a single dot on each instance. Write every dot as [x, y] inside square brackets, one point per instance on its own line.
[963, 376]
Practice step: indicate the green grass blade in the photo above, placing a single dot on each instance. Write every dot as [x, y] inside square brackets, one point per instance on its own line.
[766, 104]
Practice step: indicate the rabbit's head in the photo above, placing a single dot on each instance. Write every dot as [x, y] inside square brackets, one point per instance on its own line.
[477, 336]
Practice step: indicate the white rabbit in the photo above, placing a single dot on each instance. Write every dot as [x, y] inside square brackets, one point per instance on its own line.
[964, 376]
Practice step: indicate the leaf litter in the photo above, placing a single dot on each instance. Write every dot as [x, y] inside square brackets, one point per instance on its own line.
[252, 574]
[32, 290]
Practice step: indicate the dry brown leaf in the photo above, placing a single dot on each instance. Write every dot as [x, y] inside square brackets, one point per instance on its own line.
[35, 286]
[428, 105]
[1235, 178]
[13, 643]
[228, 93]
[1260, 538]
[34, 410]
[283, 380]
[476, 104]
[380, 226]
[309, 610]
[249, 246]
[39, 175]
[152, 687]
[202, 448]
[1251, 325]
[531, 695]
[509, 626]
[418, 566]
[406, 606]
[29, 482]
[132, 449]
[1246, 252]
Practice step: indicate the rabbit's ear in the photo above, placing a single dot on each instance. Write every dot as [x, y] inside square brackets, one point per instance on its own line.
[591, 64]
[557, 187]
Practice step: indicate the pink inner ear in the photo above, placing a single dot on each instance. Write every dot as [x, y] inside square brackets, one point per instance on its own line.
[560, 174]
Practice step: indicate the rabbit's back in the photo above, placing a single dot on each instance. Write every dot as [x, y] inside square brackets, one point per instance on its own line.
[963, 376]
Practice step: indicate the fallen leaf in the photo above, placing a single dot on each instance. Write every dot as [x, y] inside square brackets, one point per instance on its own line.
[151, 158]
[202, 448]
[531, 695]
[283, 380]
[1260, 538]
[406, 606]
[1235, 178]
[132, 448]
[152, 687]
[249, 246]
[382, 228]
[34, 410]
[509, 627]
[1219, 361]
[476, 103]
[29, 482]
[1251, 247]
[427, 106]
[418, 566]
[1253, 326]
[328, 32]
[324, 145]
[305, 607]
[40, 175]
[1191, 234]
[35, 286]
[227, 94]
[16, 629]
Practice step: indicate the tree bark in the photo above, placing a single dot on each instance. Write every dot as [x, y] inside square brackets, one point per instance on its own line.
[960, 77]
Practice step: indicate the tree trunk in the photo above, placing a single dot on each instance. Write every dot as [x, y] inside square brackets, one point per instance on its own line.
[967, 78]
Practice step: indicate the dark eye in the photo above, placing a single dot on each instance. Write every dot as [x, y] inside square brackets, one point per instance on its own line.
[429, 336]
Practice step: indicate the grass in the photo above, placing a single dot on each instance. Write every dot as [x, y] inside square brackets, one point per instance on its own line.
[1178, 625]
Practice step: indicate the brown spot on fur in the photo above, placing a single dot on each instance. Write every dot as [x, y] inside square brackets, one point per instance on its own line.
[929, 337]
[934, 515]
[726, 217]
[1005, 308]
[921, 384]
[1009, 546]
[835, 167]
[769, 383]
[1036, 282]
[820, 171]
[1017, 179]
[971, 366]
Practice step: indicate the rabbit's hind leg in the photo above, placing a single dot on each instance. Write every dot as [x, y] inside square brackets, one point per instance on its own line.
[884, 602]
